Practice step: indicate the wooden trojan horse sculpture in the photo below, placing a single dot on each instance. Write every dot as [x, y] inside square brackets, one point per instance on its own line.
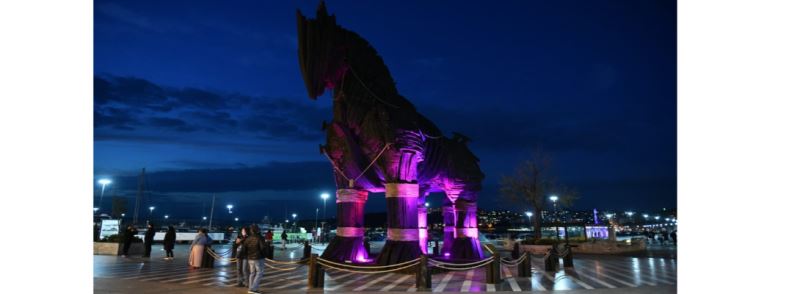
[377, 142]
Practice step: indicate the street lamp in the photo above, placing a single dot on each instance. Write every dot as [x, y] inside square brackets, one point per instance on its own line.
[205, 218]
[529, 214]
[230, 206]
[123, 215]
[554, 198]
[656, 217]
[95, 209]
[151, 212]
[166, 216]
[103, 182]
[427, 204]
[236, 219]
[324, 197]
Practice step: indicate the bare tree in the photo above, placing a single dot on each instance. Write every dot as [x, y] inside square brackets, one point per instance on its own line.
[531, 184]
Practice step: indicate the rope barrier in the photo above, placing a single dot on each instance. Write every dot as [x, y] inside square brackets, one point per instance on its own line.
[325, 264]
[302, 261]
[282, 269]
[516, 262]
[488, 249]
[434, 261]
[219, 257]
[368, 266]
[487, 261]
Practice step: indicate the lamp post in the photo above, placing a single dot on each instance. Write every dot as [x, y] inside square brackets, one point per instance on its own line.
[151, 213]
[324, 197]
[529, 214]
[103, 183]
[316, 225]
[294, 220]
[554, 198]
[230, 206]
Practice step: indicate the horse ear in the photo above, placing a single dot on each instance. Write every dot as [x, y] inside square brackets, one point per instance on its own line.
[322, 11]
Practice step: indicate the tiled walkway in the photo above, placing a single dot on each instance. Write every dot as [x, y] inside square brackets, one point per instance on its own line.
[590, 272]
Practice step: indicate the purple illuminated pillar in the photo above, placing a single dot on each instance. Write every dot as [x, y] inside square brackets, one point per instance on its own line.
[449, 218]
[402, 243]
[422, 221]
[349, 241]
[466, 244]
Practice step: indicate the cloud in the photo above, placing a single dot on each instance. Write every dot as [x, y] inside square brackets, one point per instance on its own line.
[277, 176]
[140, 106]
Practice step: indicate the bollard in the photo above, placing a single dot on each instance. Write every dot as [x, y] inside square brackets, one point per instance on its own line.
[316, 273]
[306, 250]
[551, 260]
[493, 268]
[436, 248]
[423, 274]
[568, 258]
[524, 268]
[270, 252]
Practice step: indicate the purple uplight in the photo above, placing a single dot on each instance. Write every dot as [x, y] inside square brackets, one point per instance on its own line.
[447, 254]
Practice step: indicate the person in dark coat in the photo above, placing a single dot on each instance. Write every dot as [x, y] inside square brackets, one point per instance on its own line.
[96, 232]
[254, 253]
[127, 238]
[148, 240]
[284, 238]
[674, 236]
[169, 243]
[242, 270]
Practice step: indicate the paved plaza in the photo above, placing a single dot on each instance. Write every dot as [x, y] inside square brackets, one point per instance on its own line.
[592, 273]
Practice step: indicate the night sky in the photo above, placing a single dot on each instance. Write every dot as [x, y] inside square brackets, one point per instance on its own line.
[208, 97]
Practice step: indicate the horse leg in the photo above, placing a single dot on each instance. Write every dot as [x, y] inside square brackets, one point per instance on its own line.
[349, 241]
[402, 200]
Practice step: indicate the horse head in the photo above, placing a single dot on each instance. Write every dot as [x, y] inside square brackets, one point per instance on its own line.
[321, 51]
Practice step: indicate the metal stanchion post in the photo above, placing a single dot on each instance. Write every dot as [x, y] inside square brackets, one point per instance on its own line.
[316, 273]
[306, 250]
[568, 257]
[436, 248]
[423, 274]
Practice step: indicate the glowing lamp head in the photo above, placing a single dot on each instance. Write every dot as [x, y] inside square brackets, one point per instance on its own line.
[294, 215]
[205, 218]
[325, 196]
[236, 219]
[166, 216]
[95, 209]
[151, 208]
[657, 217]
[230, 206]
[609, 215]
[529, 214]
[646, 215]
[427, 204]
[554, 198]
[104, 182]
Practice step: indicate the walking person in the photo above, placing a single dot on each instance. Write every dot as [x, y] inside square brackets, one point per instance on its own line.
[169, 243]
[148, 239]
[242, 269]
[254, 252]
[197, 249]
[284, 239]
[127, 238]
[269, 237]
[208, 260]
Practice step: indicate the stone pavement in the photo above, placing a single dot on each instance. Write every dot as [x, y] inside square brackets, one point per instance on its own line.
[592, 274]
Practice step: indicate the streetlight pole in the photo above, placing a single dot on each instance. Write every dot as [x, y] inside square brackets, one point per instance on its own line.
[324, 197]
[529, 214]
[294, 221]
[151, 213]
[103, 183]
[554, 198]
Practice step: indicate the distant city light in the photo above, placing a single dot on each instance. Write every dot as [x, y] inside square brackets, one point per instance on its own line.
[646, 215]
[657, 217]
[608, 215]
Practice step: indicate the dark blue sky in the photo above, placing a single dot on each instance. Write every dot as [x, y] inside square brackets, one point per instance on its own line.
[208, 96]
